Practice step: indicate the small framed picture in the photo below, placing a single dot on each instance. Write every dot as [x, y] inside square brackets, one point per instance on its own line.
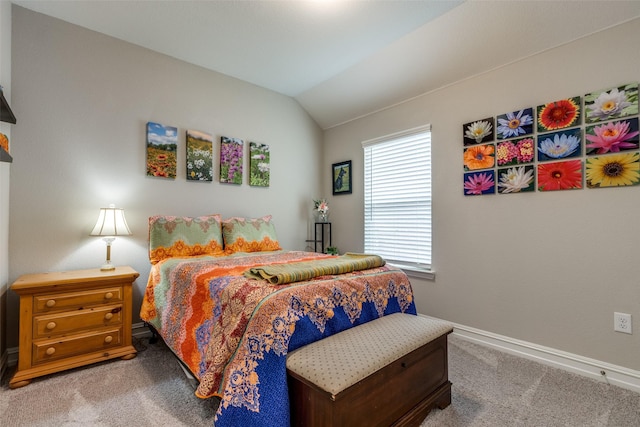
[341, 173]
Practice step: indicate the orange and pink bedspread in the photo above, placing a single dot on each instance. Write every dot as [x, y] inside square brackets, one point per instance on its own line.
[234, 332]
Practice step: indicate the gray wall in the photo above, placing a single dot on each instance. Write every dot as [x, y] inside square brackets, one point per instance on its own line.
[547, 268]
[83, 100]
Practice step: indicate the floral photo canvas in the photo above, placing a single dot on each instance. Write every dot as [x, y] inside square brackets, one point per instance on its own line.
[162, 144]
[516, 179]
[613, 170]
[479, 183]
[259, 164]
[514, 124]
[479, 157]
[612, 137]
[199, 156]
[231, 158]
[558, 114]
[615, 103]
[555, 176]
[515, 151]
[560, 145]
[478, 131]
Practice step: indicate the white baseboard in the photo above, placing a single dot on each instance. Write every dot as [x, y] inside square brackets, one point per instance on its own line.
[598, 370]
[601, 371]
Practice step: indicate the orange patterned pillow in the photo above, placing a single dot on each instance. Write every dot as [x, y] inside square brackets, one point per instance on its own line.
[173, 236]
[249, 235]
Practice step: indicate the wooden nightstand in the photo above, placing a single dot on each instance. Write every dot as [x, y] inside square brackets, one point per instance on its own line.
[71, 319]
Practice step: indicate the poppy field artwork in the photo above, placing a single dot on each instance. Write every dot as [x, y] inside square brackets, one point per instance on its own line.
[162, 144]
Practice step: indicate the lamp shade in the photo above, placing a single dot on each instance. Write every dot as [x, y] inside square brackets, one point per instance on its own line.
[111, 222]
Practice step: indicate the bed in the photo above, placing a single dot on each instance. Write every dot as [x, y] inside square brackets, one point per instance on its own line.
[230, 303]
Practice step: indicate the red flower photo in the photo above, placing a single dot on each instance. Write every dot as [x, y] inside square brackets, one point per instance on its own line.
[559, 114]
[560, 175]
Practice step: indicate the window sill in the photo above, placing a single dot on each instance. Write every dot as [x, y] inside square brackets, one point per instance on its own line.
[418, 273]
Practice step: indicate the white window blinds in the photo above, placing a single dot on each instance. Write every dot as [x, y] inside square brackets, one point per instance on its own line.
[397, 198]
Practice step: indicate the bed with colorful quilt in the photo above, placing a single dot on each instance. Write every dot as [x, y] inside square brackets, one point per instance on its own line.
[230, 303]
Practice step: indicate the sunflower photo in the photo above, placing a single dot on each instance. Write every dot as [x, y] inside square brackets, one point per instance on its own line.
[621, 101]
[614, 170]
[558, 114]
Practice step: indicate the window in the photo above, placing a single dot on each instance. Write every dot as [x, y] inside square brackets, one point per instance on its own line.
[397, 199]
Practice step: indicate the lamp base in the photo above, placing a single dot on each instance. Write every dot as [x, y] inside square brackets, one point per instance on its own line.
[107, 267]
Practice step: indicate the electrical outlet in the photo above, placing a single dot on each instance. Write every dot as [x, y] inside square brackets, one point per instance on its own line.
[622, 322]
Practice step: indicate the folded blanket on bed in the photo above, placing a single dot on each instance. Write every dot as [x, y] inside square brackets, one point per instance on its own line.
[279, 274]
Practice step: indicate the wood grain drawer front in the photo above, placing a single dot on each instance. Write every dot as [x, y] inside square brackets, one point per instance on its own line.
[79, 320]
[49, 350]
[76, 300]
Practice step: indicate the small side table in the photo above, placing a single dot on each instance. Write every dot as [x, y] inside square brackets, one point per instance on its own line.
[72, 319]
[320, 237]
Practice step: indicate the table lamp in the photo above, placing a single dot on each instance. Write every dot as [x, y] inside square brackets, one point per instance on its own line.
[111, 223]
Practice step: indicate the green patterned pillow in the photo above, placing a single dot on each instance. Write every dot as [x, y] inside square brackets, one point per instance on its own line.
[249, 235]
[173, 236]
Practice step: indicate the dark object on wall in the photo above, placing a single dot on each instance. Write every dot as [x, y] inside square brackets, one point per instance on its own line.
[341, 177]
[6, 115]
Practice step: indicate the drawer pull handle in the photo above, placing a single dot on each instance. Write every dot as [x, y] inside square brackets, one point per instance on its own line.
[108, 295]
[50, 351]
[51, 325]
[108, 316]
[50, 303]
[403, 364]
[108, 339]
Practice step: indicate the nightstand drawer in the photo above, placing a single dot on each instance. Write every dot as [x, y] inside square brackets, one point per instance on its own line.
[49, 350]
[73, 321]
[70, 300]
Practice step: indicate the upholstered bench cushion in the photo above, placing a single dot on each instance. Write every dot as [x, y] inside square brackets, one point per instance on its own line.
[341, 360]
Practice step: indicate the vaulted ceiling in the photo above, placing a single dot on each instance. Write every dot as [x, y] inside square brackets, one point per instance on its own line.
[343, 59]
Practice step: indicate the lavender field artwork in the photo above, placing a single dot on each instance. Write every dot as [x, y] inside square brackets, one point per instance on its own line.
[231, 157]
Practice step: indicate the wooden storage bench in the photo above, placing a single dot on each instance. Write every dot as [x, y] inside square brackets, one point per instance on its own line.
[388, 372]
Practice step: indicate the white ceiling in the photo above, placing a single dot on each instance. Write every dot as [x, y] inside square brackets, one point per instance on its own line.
[343, 59]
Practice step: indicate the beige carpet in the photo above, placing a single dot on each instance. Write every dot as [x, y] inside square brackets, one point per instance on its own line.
[490, 388]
